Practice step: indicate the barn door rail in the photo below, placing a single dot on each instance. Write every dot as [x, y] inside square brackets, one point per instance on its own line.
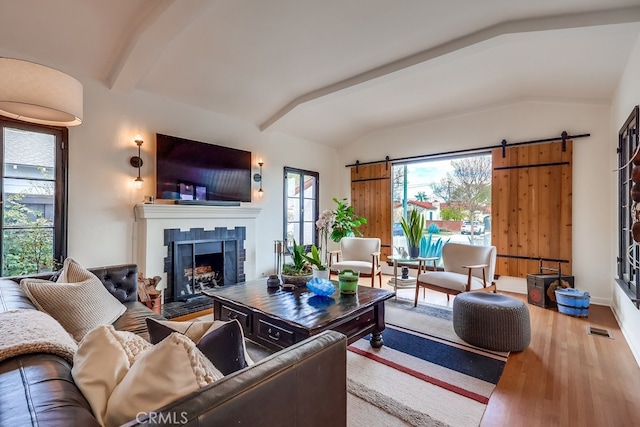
[564, 136]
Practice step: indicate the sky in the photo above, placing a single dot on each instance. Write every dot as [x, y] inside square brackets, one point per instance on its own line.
[422, 174]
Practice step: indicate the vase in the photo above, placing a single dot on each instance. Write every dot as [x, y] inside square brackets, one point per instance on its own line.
[321, 274]
[348, 281]
[414, 251]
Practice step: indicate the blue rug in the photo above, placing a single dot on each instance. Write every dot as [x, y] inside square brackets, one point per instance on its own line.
[420, 342]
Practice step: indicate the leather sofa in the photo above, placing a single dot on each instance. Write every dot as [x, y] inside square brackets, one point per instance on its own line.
[302, 385]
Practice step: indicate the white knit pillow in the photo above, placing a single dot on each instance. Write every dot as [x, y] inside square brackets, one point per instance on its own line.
[78, 300]
[103, 358]
[169, 370]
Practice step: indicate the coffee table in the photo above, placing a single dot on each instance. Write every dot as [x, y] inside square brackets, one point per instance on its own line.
[277, 319]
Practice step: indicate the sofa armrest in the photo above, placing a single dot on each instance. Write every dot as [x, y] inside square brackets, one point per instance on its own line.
[302, 385]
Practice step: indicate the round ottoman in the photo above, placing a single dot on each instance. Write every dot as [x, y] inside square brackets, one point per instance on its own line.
[492, 321]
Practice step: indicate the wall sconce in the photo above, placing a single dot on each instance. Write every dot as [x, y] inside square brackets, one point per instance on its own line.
[37, 94]
[258, 176]
[136, 162]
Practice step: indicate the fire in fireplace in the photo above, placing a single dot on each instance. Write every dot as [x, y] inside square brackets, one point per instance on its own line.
[195, 263]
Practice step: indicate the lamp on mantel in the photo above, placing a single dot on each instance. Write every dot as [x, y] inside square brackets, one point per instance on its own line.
[136, 162]
[37, 94]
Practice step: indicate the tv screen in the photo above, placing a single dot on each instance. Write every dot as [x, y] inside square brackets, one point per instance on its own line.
[192, 170]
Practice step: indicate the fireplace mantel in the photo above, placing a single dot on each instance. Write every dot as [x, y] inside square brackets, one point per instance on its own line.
[153, 219]
[170, 211]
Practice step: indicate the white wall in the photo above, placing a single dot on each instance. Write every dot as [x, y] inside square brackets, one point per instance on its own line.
[101, 196]
[627, 96]
[522, 121]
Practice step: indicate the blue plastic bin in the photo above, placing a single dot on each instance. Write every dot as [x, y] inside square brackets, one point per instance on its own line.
[573, 302]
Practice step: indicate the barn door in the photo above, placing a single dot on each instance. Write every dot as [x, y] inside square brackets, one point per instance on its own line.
[531, 207]
[371, 198]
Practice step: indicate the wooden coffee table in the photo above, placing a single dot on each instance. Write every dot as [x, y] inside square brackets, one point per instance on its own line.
[278, 319]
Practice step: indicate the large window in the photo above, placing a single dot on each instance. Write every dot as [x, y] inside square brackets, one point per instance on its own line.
[33, 182]
[629, 208]
[300, 206]
[453, 195]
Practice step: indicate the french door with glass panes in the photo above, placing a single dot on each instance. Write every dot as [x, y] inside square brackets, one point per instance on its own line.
[33, 182]
[300, 206]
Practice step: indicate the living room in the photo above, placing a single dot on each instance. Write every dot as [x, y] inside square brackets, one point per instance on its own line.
[118, 61]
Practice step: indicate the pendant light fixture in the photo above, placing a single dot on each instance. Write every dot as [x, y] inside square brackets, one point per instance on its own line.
[38, 94]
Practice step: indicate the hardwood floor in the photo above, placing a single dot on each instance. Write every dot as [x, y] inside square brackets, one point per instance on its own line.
[566, 377]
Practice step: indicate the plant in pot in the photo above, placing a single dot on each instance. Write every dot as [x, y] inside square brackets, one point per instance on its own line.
[298, 271]
[320, 269]
[345, 221]
[413, 229]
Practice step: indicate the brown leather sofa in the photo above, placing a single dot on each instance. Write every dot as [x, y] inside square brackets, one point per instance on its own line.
[302, 385]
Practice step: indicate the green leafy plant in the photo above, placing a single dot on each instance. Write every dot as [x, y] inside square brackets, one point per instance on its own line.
[298, 265]
[413, 228]
[315, 259]
[28, 240]
[345, 222]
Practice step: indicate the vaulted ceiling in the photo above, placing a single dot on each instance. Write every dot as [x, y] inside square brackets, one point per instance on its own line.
[332, 71]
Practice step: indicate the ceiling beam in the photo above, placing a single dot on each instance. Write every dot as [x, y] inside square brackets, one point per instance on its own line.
[558, 22]
[150, 37]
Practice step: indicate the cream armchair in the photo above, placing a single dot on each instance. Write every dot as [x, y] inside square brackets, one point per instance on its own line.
[466, 268]
[360, 254]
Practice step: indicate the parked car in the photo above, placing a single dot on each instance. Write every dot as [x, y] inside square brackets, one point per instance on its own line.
[397, 229]
[478, 228]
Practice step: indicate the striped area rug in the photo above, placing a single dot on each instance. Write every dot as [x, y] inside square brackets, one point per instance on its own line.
[424, 375]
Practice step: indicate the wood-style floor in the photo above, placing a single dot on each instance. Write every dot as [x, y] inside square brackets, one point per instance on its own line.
[565, 377]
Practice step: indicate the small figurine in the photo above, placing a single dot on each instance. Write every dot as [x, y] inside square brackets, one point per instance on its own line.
[147, 291]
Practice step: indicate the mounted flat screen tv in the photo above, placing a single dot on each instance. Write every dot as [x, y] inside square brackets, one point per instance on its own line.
[196, 171]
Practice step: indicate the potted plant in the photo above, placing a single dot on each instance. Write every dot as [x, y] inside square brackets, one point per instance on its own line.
[345, 221]
[321, 270]
[298, 271]
[413, 229]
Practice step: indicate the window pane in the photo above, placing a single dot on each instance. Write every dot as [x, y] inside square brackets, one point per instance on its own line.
[27, 251]
[293, 232]
[309, 230]
[29, 154]
[27, 203]
[309, 186]
[448, 193]
[293, 185]
[293, 210]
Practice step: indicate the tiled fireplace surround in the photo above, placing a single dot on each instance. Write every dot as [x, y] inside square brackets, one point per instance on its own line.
[153, 219]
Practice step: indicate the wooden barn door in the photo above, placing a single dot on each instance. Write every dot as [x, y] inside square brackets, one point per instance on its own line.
[531, 207]
[371, 198]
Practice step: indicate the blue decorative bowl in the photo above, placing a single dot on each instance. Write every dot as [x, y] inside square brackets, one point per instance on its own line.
[322, 287]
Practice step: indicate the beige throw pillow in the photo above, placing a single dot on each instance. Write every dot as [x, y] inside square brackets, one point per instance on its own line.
[78, 300]
[169, 370]
[103, 358]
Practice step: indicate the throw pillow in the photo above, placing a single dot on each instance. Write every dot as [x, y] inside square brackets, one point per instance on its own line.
[78, 300]
[222, 342]
[167, 371]
[103, 358]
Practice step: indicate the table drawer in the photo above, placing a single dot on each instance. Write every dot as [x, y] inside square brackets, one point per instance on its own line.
[275, 334]
[358, 324]
[231, 313]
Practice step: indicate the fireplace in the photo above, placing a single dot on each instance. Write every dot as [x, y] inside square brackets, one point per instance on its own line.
[198, 260]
